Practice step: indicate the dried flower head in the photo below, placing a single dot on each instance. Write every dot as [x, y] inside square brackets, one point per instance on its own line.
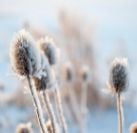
[85, 73]
[49, 126]
[68, 72]
[40, 83]
[47, 45]
[42, 80]
[23, 54]
[133, 128]
[24, 128]
[118, 78]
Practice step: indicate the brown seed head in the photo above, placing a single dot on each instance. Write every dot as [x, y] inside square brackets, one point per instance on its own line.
[68, 72]
[47, 45]
[85, 73]
[49, 126]
[133, 128]
[24, 128]
[23, 54]
[42, 80]
[118, 78]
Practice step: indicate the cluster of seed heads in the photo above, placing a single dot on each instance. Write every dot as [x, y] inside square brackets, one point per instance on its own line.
[27, 60]
[118, 75]
[48, 57]
[34, 64]
[42, 79]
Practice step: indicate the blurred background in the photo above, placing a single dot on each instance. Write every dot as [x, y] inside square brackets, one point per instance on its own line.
[89, 33]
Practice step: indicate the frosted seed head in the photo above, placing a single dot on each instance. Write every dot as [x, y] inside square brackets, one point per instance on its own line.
[24, 128]
[49, 126]
[23, 54]
[68, 72]
[133, 128]
[118, 78]
[42, 80]
[47, 45]
[40, 83]
[85, 73]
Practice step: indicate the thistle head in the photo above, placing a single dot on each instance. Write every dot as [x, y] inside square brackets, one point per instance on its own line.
[42, 80]
[47, 45]
[24, 128]
[23, 54]
[118, 78]
[133, 128]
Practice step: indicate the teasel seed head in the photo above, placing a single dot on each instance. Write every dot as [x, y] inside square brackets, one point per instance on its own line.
[133, 128]
[42, 80]
[85, 73]
[68, 72]
[23, 54]
[40, 83]
[24, 128]
[49, 126]
[47, 45]
[118, 78]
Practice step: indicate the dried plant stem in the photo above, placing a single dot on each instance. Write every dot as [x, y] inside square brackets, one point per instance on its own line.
[74, 103]
[84, 99]
[50, 111]
[83, 106]
[75, 107]
[120, 113]
[60, 110]
[37, 106]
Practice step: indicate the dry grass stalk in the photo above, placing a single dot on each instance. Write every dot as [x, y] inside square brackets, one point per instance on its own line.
[60, 110]
[50, 111]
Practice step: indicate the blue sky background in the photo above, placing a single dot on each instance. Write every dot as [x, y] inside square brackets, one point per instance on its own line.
[115, 21]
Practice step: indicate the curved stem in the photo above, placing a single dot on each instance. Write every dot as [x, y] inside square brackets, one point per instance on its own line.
[60, 110]
[37, 106]
[49, 110]
[119, 111]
